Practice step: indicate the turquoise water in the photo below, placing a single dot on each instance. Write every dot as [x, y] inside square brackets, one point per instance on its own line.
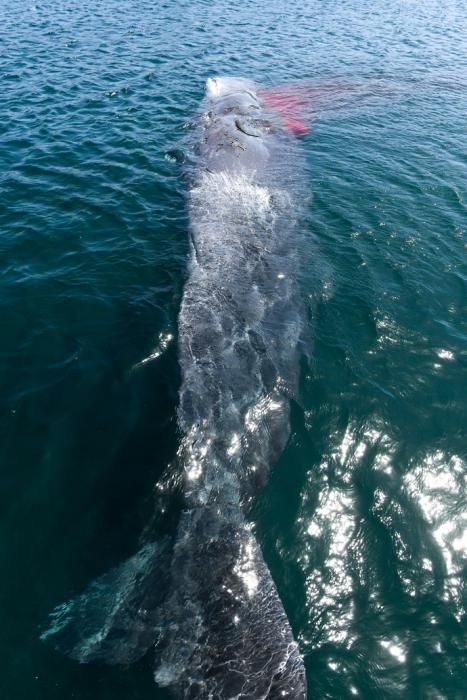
[364, 520]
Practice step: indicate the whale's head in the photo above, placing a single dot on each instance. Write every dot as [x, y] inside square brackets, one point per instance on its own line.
[220, 86]
[230, 99]
[237, 126]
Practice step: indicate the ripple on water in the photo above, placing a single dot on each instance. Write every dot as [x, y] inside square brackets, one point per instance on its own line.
[363, 522]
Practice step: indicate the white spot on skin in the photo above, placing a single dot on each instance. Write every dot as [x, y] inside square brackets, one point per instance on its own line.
[246, 569]
[234, 445]
[314, 529]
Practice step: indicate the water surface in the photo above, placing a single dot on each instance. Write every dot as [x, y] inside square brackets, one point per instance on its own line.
[364, 521]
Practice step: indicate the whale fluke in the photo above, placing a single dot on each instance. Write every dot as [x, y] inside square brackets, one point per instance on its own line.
[113, 620]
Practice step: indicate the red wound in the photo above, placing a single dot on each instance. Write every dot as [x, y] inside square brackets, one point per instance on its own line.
[288, 107]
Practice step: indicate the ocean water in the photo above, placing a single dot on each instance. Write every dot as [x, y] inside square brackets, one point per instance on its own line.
[364, 520]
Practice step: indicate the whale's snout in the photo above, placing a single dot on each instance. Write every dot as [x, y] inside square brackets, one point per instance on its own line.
[221, 86]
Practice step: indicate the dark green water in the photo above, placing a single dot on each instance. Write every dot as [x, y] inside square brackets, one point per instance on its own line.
[364, 521]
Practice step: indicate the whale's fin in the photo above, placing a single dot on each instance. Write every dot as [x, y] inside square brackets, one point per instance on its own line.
[115, 619]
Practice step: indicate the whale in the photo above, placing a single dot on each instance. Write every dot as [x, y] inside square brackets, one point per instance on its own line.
[202, 599]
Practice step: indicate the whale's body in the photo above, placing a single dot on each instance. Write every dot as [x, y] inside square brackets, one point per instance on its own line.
[205, 597]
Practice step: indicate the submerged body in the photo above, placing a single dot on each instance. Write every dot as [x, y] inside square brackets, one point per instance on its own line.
[205, 597]
[239, 328]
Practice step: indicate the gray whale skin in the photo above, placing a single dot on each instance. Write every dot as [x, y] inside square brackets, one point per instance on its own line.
[204, 599]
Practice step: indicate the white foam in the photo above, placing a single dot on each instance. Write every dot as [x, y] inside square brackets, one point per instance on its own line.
[233, 191]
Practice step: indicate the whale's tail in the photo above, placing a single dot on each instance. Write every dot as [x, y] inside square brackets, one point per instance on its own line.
[115, 619]
[206, 602]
